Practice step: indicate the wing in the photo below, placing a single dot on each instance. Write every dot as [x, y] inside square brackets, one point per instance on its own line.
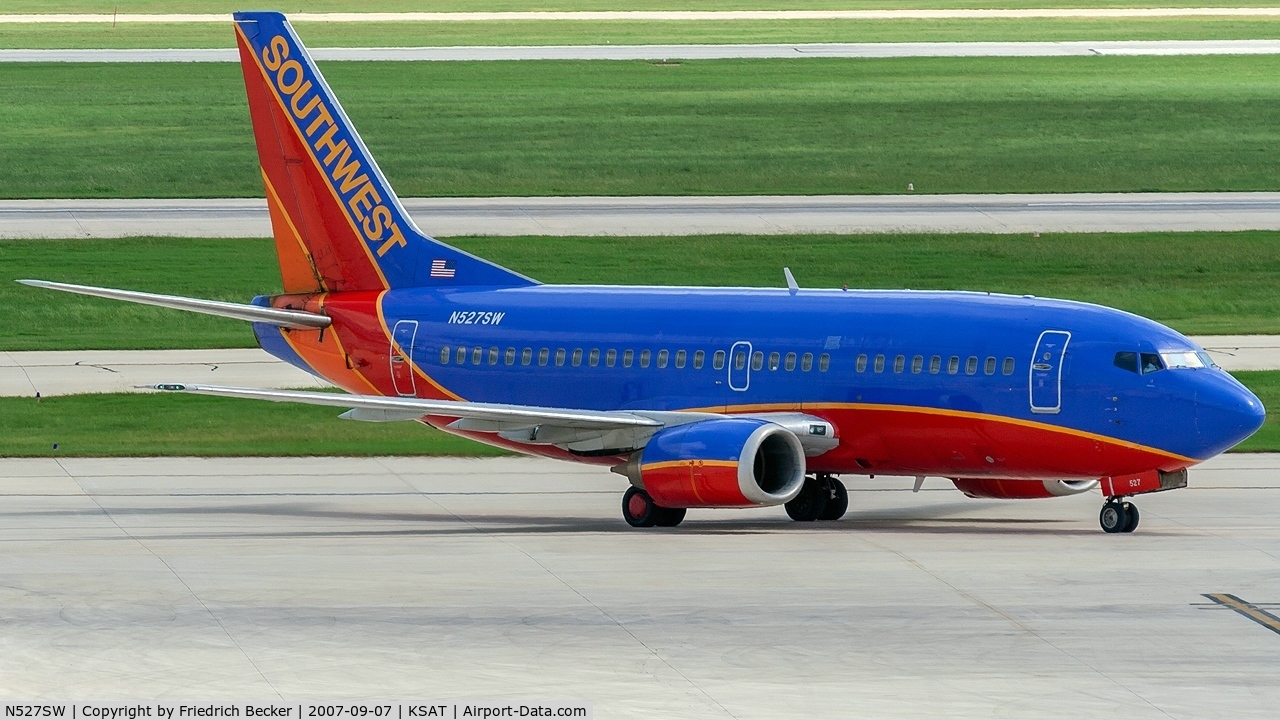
[577, 430]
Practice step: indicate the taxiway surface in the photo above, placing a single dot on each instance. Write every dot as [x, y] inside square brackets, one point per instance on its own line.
[722, 51]
[622, 216]
[516, 579]
[68, 372]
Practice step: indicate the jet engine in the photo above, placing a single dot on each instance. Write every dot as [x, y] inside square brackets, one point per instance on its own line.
[1021, 489]
[729, 462]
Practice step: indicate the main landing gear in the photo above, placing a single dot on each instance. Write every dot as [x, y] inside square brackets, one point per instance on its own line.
[822, 498]
[1118, 516]
[639, 510]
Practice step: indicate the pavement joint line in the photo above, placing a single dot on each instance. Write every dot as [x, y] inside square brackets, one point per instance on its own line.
[604, 613]
[212, 615]
[1247, 609]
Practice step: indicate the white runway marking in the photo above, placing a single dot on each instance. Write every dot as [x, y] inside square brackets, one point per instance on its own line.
[516, 578]
[677, 15]
[688, 215]
[679, 52]
[69, 372]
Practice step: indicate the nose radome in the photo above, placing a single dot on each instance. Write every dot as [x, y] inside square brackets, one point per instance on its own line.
[1227, 413]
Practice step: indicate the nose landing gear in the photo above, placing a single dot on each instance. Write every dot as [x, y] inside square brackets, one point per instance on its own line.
[1118, 516]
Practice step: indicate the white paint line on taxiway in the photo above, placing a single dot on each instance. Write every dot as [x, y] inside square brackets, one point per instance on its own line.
[69, 372]
[624, 216]
[677, 52]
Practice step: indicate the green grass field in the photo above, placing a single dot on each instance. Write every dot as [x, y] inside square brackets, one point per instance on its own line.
[174, 425]
[616, 32]
[634, 128]
[226, 6]
[1199, 283]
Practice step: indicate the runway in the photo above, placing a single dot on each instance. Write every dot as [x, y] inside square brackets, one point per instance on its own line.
[516, 579]
[620, 216]
[70, 372]
[679, 52]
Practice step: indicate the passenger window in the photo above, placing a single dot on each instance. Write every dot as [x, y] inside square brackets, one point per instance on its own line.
[610, 357]
[1126, 361]
[493, 356]
[662, 358]
[971, 366]
[775, 360]
[1151, 363]
[824, 362]
[594, 358]
[990, 367]
[699, 358]
[644, 358]
[917, 364]
[717, 360]
[543, 356]
[560, 355]
[1008, 366]
[953, 365]
[476, 354]
[806, 362]
[627, 357]
[739, 359]
[577, 357]
[510, 357]
[899, 363]
[935, 365]
[444, 355]
[879, 363]
[791, 362]
[526, 356]
[681, 356]
[757, 360]
[861, 364]
[462, 356]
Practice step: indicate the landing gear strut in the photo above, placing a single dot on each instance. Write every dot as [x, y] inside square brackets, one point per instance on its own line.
[822, 498]
[639, 510]
[1118, 516]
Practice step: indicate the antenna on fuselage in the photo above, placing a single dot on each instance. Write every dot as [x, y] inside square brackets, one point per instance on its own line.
[792, 287]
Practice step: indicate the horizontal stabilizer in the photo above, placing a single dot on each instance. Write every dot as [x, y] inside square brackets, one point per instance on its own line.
[296, 319]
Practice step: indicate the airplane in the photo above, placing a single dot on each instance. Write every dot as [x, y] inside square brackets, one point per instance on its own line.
[702, 397]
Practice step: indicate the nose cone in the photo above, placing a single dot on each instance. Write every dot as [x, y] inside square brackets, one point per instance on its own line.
[1226, 412]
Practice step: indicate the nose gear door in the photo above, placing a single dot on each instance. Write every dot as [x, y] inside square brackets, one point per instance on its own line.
[1046, 371]
[401, 351]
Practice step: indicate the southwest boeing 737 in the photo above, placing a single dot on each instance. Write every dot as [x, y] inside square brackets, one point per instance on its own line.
[702, 397]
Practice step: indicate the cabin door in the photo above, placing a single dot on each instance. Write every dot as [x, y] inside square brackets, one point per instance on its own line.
[401, 351]
[1046, 371]
[740, 366]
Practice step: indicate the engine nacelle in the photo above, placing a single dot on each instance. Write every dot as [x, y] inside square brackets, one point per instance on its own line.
[730, 462]
[1021, 489]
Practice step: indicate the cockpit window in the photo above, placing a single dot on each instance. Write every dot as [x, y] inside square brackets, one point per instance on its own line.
[1207, 359]
[1151, 363]
[1127, 361]
[1182, 360]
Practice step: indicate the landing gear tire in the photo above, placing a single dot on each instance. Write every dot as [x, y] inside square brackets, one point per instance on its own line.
[1114, 517]
[1132, 511]
[639, 510]
[668, 517]
[837, 500]
[812, 501]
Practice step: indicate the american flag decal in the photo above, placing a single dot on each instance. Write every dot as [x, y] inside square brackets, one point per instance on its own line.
[443, 268]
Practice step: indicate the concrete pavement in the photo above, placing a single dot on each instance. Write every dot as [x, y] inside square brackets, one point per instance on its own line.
[679, 52]
[683, 215]
[68, 372]
[337, 578]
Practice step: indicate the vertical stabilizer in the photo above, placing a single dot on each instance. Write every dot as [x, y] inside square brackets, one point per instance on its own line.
[338, 225]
